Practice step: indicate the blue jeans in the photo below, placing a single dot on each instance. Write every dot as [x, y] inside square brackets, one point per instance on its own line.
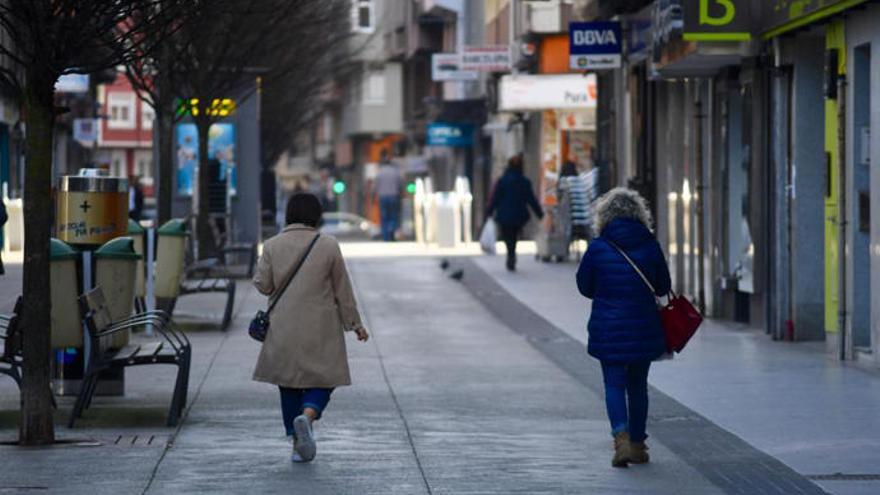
[627, 381]
[389, 209]
[294, 400]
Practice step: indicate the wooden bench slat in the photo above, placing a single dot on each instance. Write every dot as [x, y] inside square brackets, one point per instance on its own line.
[151, 349]
[127, 351]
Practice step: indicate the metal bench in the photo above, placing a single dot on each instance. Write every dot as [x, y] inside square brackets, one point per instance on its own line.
[235, 261]
[174, 348]
[10, 360]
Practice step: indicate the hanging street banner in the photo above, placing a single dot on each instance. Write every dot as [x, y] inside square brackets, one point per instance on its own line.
[494, 58]
[594, 45]
[447, 67]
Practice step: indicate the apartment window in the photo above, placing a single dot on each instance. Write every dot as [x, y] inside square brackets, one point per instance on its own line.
[143, 165]
[374, 88]
[362, 16]
[148, 115]
[121, 110]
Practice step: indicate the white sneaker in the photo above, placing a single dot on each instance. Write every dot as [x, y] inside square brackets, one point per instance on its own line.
[304, 444]
[295, 457]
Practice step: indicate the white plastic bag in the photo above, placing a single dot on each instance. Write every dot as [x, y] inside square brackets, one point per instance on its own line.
[488, 237]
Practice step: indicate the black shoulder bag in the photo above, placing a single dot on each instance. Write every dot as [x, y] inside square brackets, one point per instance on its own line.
[259, 326]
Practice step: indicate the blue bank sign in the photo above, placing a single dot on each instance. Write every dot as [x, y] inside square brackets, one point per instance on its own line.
[449, 134]
[594, 45]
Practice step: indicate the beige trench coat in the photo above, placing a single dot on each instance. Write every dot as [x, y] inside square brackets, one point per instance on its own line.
[305, 347]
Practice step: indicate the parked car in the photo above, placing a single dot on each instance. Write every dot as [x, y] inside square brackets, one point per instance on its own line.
[349, 226]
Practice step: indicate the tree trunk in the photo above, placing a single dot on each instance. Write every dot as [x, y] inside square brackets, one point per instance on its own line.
[167, 168]
[37, 427]
[207, 247]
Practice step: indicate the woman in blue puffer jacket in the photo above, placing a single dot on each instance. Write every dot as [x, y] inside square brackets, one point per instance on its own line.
[625, 333]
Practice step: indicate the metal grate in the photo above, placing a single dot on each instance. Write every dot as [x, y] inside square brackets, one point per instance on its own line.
[140, 441]
[844, 477]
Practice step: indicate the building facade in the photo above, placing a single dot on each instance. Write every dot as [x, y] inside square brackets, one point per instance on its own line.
[752, 138]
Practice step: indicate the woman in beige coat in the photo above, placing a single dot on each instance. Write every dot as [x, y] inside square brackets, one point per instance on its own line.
[304, 352]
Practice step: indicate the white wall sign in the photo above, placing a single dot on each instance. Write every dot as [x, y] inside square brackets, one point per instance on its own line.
[547, 92]
[72, 83]
[494, 58]
[447, 67]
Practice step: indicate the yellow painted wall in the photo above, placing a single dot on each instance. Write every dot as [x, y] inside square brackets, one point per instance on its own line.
[835, 39]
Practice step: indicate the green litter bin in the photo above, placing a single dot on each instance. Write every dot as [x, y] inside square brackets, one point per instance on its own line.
[137, 233]
[115, 266]
[65, 321]
[169, 258]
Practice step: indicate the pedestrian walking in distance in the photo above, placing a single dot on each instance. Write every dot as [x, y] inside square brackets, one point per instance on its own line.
[304, 352]
[510, 202]
[389, 187]
[625, 332]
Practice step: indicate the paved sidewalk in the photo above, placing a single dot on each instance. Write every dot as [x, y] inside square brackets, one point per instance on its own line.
[790, 400]
[449, 397]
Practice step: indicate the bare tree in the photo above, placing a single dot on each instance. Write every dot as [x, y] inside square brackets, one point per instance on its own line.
[50, 38]
[224, 51]
[307, 79]
[157, 82]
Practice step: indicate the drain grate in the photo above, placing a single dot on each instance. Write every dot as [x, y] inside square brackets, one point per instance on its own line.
[140, 440]
[844, 477]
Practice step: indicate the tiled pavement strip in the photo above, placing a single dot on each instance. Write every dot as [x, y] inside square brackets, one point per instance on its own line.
[726, 460]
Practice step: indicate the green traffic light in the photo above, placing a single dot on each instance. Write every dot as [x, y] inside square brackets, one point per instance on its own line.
[411, 188]
[339, 187]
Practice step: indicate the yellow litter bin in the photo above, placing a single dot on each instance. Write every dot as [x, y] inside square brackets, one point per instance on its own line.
[65, 321]
[115, 266]
[136, 232]
[91, 209]
[169, 258]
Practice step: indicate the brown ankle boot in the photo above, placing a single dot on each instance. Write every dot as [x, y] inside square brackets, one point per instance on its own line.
[621, 450]
[638, 453]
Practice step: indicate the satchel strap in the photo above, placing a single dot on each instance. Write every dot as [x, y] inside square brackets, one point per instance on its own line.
[634, 265]
[293, 273]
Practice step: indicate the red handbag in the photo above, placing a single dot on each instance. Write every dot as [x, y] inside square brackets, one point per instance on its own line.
[680, 319]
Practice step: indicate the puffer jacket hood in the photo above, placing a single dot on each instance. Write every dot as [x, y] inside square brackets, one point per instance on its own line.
[621, 202]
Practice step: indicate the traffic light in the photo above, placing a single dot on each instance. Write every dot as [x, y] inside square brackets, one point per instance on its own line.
[339, 187]
[411, 188]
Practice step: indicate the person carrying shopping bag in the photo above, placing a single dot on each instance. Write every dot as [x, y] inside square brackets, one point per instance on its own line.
[625, 330]
[511, 199]
[303, 351]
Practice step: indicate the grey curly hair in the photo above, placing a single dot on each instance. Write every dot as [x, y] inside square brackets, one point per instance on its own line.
[620, 202]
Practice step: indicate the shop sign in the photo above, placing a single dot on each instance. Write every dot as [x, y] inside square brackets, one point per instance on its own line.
[450, 134]
[668, 21]
[448, 67]
[542, 92]
[638, 38]
[495, 58]
[717, 20]
[781, 16]
[85, 130]
[594, 45]
[72, 83]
